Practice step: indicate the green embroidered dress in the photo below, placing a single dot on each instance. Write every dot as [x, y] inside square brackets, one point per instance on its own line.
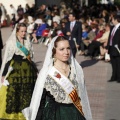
[17, 95]
[50, 109]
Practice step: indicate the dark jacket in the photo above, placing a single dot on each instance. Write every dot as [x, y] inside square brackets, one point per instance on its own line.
[0, 12]
[112, 50]
[76, 33]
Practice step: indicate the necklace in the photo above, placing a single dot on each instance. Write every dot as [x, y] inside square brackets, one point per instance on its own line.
[21, 41]
[65, 70]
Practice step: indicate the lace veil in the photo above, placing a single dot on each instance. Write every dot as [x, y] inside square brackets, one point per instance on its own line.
[31, 112]
[9, 51]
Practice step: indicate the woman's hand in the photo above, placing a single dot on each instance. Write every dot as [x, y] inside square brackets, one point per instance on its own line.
[105, 44]
[68, 33]
[98, 40]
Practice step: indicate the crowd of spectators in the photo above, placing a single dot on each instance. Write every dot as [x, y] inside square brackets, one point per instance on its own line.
[47, 21]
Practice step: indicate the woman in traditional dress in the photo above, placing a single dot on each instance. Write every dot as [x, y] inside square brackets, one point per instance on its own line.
[60, 92]
[18, 75]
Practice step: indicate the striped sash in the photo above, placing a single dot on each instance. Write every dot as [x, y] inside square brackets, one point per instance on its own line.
[67, 86]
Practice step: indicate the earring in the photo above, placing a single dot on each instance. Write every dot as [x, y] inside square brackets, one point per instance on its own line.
[54, 59]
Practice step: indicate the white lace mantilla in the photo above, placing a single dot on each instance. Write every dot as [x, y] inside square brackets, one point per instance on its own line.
[56, 90]
[14, 50]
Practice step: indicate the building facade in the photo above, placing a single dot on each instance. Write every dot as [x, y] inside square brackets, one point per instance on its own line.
[15, 3]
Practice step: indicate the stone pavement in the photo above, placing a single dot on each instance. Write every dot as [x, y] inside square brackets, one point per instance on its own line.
[104, 96]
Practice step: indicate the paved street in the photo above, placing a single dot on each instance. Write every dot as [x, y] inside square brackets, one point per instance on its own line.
[104, 96]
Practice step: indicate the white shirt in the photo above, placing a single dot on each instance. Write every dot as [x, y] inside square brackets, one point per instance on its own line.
[113, 32]
[13, 11]
[115, 27]
[72, 24]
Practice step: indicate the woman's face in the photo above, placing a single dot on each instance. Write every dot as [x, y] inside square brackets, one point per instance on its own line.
[107, 28]
[103, 13]
[55, 24]
[101, 27]
[63, 51]
[22, 32]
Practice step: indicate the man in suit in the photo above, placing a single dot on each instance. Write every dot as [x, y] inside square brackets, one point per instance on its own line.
[73, 31]
[1, 43]
[113, 41]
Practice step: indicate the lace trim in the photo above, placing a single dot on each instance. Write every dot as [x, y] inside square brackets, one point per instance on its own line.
[19, 92]
[18, 96]
[10, 53]
[58, 93]
[17, 51]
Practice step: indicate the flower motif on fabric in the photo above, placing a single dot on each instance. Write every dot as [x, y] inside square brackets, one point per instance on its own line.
[57, 75]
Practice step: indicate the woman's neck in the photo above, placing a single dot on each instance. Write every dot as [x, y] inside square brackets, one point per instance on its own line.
[61, 64]
[63, 67]
[21, 40]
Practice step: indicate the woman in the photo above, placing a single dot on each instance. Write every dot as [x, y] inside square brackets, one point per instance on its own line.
[17, 75]
[105, 15]
[103, 42]
[50, 100]
[93, 48]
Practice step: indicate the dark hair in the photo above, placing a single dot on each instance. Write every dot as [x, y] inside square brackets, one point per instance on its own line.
[88, 28]
[73, 14]
[20, 25]
[116, 16]
[60, 38]
[108, 25]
